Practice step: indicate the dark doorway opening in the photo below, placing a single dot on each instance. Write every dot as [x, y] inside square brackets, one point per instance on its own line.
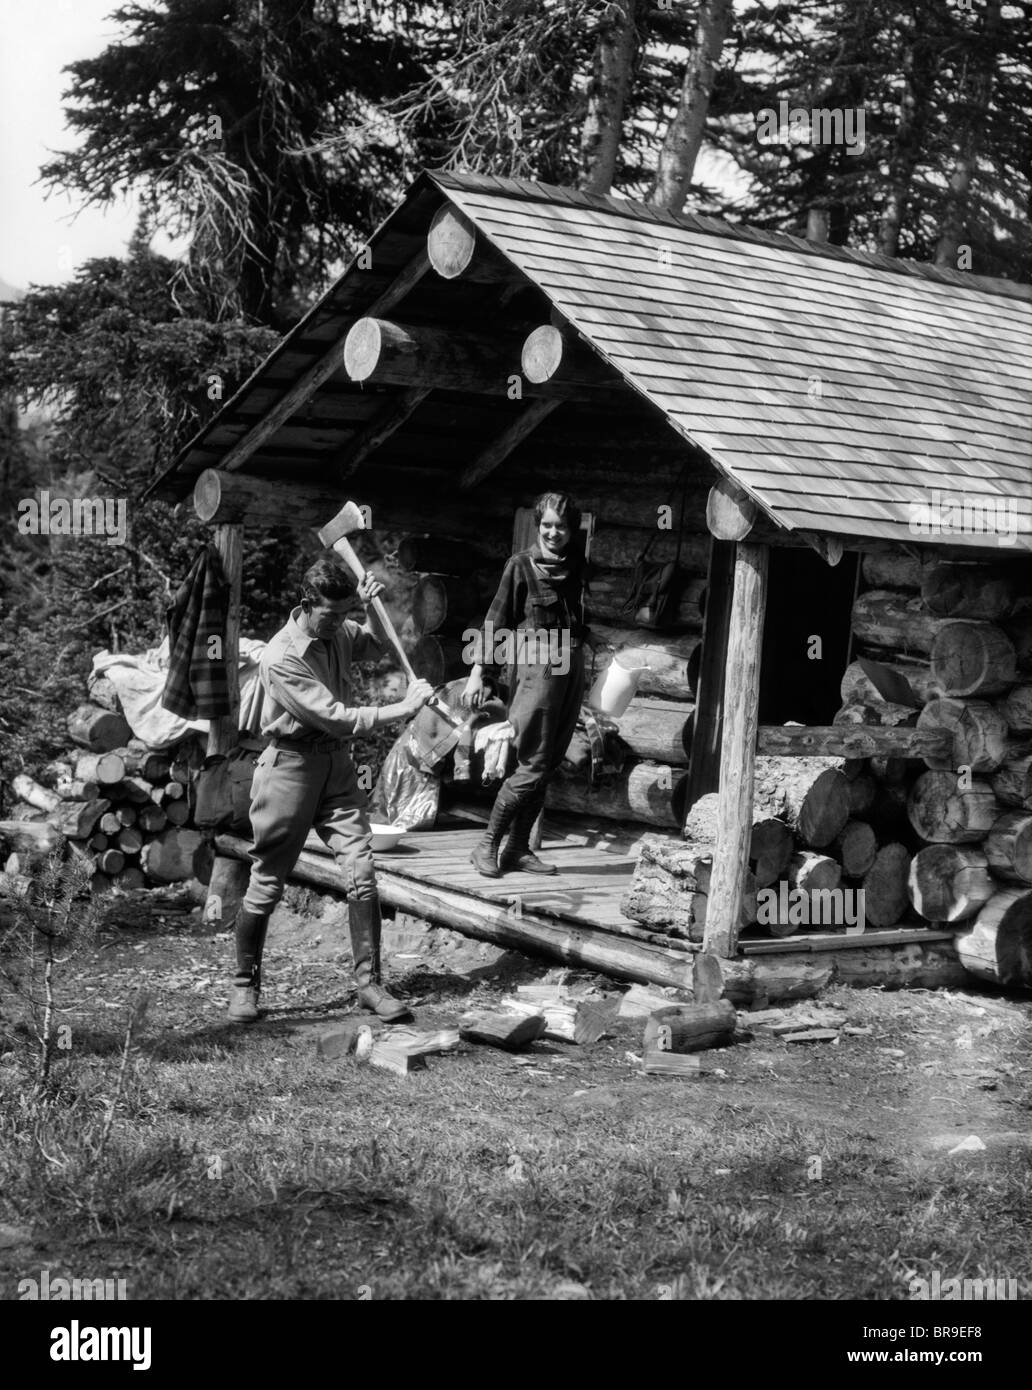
[806, 599]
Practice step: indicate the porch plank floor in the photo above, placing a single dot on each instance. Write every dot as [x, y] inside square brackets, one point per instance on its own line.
[595, 865]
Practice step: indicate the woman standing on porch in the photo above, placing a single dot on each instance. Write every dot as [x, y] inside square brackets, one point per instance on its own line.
[538, 614]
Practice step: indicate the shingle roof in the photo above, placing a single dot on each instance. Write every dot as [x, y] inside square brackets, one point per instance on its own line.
[840, 388]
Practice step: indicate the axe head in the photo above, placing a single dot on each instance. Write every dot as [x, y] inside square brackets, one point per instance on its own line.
[347, 521]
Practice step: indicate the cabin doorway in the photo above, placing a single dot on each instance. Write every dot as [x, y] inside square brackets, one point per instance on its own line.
[809, 610]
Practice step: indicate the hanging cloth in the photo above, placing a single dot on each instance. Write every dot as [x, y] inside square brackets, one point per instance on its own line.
[197, 686]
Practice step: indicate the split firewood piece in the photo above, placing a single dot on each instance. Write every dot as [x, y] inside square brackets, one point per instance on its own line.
[944, 809]
[509, 1030]
[36, 836]
[132, 789]
[130, 877]
[1008, 847]
[78, 819]
[566, 1020]
[770, 849]
[351, 1036]
[50, 774]
[895, 682]
[971, 658]
[29, 790]
[948, 883]
[418, 1043]
[129, 840]
[97, 729]
[861, 794]
[126, 815]
[151, 819]
[110, 861]
[642, 1000]
[691, 1027]
[656, 1062]
[812, 1035]
[856, 847]
[999, 945]
[389, 1057]
[978, 730]
[885, 886]
[175, 855]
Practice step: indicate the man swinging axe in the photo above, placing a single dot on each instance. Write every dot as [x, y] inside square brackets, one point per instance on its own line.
[305, 778]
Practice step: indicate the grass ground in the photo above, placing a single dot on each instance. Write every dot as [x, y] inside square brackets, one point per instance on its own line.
[242, 1165]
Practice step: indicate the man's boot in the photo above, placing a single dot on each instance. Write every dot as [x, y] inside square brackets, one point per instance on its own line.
[518, 853]
[364, 924]
[485, 857]
[249, 930]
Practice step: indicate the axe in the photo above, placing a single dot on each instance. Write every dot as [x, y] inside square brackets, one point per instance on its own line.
[334, 536]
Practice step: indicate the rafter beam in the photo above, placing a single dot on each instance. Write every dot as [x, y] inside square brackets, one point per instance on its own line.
[499, 449]
[389, 418]
[330, 362]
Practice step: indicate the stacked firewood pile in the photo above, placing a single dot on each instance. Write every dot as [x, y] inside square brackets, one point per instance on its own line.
[112, 801]
[938, 841]
[646, 754]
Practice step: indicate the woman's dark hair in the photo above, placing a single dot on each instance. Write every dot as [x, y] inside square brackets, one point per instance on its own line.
[564, 507]
[326, 579]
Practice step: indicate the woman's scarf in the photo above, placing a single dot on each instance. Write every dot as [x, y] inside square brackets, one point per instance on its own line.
[554, 569]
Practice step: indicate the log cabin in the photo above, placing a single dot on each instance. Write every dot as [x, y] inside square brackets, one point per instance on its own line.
[834, 445]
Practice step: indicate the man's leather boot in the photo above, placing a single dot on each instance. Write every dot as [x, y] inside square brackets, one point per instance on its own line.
[518, 853]
[364, 924]
[250, 931]
[485, 857]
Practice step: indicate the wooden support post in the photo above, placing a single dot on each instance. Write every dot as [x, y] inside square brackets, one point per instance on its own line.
[224, 733]
[737, 751]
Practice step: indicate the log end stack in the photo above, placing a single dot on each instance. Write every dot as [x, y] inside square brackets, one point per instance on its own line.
[943, 842]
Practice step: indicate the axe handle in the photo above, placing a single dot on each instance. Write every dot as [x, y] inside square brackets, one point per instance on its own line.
[346, 552]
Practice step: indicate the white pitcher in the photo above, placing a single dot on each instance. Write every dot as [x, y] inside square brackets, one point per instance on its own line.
[615, 686]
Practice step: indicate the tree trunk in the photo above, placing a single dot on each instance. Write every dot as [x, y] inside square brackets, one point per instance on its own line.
[660, 730]
[971, 658]
[856, 848]
[885, 886]
[97, 729]
[858, 688]
[1008, 847]
[647, 792]
[1012, 781]
[944, 812]
[948, 883]
[607, 96]
[690, 1027]
[1016, 708]
[670, 887]
[811, 794]
[897, 621]
[979, 733]
[684, 135]
[770, 840]
[967, 591]
[999, 946]
[982, 58]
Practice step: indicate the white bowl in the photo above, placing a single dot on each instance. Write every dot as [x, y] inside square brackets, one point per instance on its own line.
[386, 836]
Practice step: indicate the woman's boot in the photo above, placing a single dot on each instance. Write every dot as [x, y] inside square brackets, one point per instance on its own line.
[249, 930]
[485, 857]
[518, 853]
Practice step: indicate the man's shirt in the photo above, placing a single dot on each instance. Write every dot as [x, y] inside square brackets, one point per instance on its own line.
[307, 682]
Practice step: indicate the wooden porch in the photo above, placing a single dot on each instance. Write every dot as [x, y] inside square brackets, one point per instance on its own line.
[575, 917]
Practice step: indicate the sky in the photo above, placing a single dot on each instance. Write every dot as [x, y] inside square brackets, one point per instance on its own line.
[39, 243]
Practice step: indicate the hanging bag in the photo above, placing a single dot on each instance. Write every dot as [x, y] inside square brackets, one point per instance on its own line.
[656, 586]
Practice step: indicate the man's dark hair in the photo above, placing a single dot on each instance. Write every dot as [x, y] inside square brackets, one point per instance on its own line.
[326, 580]
[564, 507]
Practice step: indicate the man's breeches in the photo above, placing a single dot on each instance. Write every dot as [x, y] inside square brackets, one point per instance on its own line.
[544, 711]
[296, 792]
